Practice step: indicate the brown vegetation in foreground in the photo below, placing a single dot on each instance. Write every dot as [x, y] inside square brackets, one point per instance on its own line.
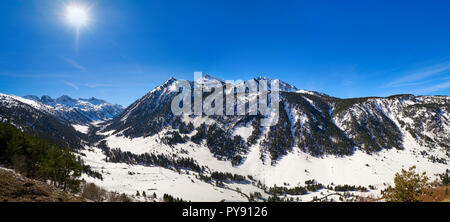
[17, 188]
[438, 194]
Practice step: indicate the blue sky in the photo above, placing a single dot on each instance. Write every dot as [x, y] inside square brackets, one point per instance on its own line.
[342, 48]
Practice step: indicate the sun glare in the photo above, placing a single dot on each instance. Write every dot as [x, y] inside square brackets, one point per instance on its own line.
[77, 15]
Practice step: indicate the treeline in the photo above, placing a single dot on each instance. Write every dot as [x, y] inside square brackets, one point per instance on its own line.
[38, 159]
[173, 137]
[318, 136]
[344, 188]
[445, 178]
[279, 140]
[310, 186]
[256, 133]
[86, 169]
[432, 158]
[147, 159]
[170, 198]
[223, 177]
[182, 127]
[221, 143]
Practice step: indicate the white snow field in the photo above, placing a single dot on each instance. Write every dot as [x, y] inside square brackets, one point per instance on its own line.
[81, 128]
[291, 170]
[128, 179]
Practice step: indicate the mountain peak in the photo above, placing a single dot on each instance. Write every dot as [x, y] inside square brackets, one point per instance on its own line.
[93, 100]
[47, 99]
[32, 97]
[285, 87]
[263, 78]
[208, 81]
[210, 77]
[65, 99]
[167, 84]
[169, 81]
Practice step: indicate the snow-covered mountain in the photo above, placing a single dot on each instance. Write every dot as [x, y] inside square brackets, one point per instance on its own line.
[37, 118]
[81, 111]
[63, 121]
[360, 141]
[333, 141]
[312, 122]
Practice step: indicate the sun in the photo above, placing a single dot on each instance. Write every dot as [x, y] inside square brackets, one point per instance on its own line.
[77, 15]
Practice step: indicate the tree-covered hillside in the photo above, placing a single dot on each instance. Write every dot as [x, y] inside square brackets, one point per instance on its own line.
[38, 159]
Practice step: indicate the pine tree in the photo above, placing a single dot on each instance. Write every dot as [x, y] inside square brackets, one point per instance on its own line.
[409, 186]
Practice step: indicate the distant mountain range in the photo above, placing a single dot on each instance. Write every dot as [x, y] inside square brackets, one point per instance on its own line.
[80, 111]
[54, 119]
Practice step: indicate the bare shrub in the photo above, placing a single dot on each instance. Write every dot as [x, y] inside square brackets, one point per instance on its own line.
[116, 197]
[92, 192]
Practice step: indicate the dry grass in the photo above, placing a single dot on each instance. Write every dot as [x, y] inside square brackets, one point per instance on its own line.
[438, 194]
[17, 188]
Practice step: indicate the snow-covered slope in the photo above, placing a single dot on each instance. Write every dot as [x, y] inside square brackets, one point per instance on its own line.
[360, 169]
[129, 179]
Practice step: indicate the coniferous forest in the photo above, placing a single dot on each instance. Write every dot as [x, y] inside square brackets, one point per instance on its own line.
[39, 159]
